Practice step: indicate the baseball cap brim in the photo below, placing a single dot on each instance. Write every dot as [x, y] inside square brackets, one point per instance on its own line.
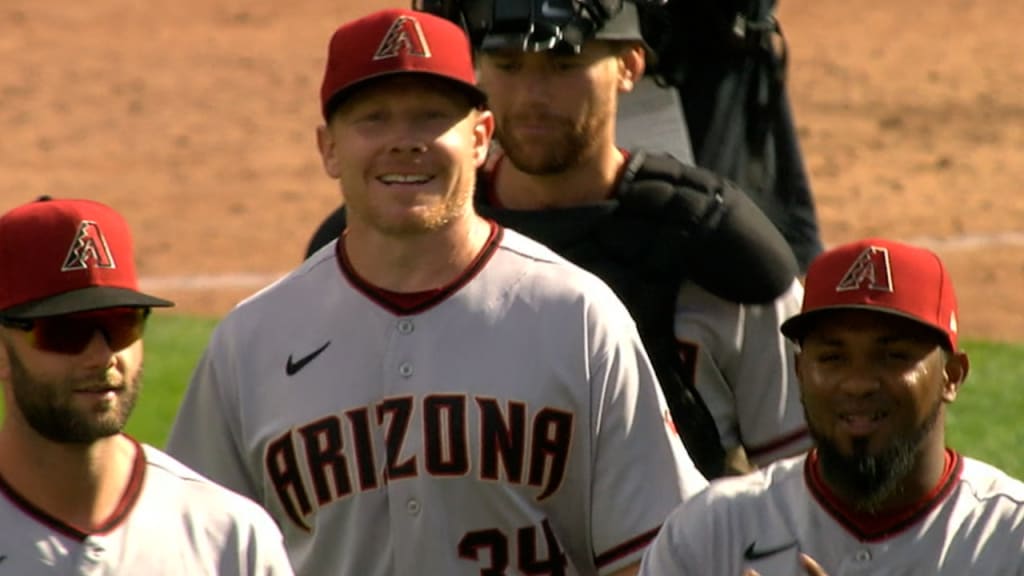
[476, 96]
[796, 328]
[85, 300]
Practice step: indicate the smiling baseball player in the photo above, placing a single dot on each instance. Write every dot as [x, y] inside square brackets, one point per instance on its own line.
[705, 274]
[880, 494]
[77, 495]
[433, 394]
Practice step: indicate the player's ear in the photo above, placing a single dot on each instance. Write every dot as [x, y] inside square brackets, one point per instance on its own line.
[483, 133]
[954, 373]
[327, 144]
[5, 359]
[632, 62]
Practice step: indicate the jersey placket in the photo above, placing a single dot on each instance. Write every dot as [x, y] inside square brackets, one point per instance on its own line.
[405, 506]
[91, 556]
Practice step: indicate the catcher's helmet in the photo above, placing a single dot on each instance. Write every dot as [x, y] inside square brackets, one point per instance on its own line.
[538, 25]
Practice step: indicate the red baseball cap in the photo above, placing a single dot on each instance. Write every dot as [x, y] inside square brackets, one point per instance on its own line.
[883, 276]
[396, 41]
[64, 256]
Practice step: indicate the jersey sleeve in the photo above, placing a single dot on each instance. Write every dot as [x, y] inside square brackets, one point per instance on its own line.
[207, 429]
[743, 370]
[265, 553]
[670, 553]
[640, 469]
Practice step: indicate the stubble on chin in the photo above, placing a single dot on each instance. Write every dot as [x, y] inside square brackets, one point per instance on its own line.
[50, 408]
[867, 481]
[553, 155]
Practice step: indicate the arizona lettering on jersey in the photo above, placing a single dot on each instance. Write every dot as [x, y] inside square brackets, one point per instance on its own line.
[507, 423]
[337, 454]
[973, 523]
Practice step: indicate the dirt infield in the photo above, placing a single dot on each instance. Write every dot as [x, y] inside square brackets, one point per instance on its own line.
[196, 119]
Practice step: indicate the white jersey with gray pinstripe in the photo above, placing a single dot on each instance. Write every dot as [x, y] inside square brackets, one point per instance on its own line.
[509, 422]
[170, 522]
[972, 524]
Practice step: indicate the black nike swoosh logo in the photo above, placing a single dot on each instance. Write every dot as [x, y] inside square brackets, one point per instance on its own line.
[292, 367]
[752, 553]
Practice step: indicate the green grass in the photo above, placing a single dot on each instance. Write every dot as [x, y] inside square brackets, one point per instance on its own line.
[982, 422]
[173, 346]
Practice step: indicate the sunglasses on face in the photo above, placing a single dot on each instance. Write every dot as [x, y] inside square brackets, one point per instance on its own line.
[72, 333]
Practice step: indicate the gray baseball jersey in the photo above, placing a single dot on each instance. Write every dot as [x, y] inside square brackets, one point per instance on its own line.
[507, 423]
[971, 523]
[742, 365]
[743, 370]
[171, 521]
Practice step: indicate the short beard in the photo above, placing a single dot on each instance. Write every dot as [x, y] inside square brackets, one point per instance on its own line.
[558, 159]
[561, 155]
[867, 481]
[46, 407]
[452, 207]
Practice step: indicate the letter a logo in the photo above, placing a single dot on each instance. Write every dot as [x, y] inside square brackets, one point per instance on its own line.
[89, 248]
[869, 271]
[404, 35]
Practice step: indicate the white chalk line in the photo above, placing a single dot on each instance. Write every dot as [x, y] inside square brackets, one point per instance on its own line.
[247, 281]
[199, 282]
[965, 242]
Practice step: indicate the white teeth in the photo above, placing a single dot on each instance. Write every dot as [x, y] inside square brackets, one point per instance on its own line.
[403, 178]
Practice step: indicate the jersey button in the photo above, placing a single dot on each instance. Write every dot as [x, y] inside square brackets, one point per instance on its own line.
[93, 552]
[862, 555]
[405, 326]
[413, 506]
[405, 369]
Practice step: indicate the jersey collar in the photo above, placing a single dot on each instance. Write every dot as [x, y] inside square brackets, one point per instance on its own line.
[873, 528]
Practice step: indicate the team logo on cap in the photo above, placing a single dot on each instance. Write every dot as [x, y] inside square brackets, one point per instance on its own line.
[871, 270]
[404, 35]
[89, 248]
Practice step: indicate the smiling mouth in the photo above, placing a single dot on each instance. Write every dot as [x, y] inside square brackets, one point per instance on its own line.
[404, 179]
[863, 422]
[100, 390]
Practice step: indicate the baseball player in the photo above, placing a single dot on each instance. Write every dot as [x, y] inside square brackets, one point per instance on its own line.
[880, 493]
[433, 394]
[704, 273]
[77, 496]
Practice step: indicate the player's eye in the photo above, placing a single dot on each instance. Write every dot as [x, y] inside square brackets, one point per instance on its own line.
[566, 64]
[506, 65]
[900, 356]
[827, 357]
[437, 113]
[370, 116]
[72, 333]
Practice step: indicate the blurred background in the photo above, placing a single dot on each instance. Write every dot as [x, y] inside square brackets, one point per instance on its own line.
[196, 119]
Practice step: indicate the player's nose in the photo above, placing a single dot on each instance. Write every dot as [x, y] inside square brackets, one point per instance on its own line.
[536, 87]
[408, 144]
[860, 380]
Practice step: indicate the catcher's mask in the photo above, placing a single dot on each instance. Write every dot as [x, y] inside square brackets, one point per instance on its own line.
[538, 25]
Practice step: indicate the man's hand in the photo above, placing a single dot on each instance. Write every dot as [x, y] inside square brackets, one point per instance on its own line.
[811, 567]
